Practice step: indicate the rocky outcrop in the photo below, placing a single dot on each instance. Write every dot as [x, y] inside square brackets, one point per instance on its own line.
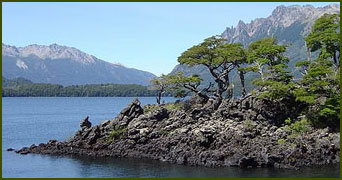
[255, 109]
[239, 133]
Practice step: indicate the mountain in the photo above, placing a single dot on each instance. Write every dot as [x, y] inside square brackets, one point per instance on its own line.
[66, 66]
[289, 24]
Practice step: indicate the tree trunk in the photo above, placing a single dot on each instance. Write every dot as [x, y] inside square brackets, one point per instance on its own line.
[242, 80]
[308, 52]
[159, 97]
[220, 89]
[229, 88]
[336, 59]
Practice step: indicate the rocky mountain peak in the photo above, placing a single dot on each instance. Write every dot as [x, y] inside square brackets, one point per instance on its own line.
[55, 51]
[281, 17]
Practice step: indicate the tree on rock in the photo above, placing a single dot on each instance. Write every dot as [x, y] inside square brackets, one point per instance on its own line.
[325, 36]
[320, 86]
[160, 84]
[181, 84]
[267, 59]
[219, 58]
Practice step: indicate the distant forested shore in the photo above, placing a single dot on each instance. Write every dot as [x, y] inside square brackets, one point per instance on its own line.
[20, 87]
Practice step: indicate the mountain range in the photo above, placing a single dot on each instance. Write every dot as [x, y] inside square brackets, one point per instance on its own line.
[64, 65]
[289, 24]
[69, 66]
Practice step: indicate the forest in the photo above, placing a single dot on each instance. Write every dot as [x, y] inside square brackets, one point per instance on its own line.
[20, 87]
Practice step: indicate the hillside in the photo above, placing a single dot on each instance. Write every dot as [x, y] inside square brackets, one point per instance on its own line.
[66, 66]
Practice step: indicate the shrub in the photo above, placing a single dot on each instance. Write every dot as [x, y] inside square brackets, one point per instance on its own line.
[173, 106]
[297, 128]
[150, 107]
[116, 134]
[281, 141]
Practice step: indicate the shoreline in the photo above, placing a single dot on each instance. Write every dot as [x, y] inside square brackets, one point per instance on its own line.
[199, 136]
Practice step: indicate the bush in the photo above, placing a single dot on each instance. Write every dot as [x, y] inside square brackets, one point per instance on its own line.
[297, 128]
[281, 141]
[150, 107]
[116, 134]
[173, 106]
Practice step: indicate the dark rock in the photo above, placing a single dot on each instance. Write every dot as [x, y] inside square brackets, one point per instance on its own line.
[10, 149]
[241, 132]
[85, 123]
[248, 162]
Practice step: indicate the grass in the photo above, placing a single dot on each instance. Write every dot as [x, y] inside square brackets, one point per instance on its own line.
[116, 134]
[298, 127]
[169, 106]
[281, 141]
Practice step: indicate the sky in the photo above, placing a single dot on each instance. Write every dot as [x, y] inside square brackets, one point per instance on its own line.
[145, 36]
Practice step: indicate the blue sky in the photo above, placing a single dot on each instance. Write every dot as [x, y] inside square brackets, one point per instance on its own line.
[146, 36]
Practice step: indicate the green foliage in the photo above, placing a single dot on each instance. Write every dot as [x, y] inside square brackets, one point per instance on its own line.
[116, 134]
[173, 106]
[267, 58]
[298, 127]
[249, 124]
[319, 88]
[325, 36]
[169, 106]
[160, 84]
[181, 85]
[281, 141]
[91, 90]
[204, 53]
[150, 107]
[288, 121]
[220, 59]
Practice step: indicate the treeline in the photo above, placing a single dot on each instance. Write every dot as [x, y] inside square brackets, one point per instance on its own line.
[26, 89]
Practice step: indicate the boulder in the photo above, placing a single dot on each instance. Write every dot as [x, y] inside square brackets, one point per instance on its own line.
[85, 123]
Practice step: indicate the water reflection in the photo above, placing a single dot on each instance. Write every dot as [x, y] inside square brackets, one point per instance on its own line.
[132, 168]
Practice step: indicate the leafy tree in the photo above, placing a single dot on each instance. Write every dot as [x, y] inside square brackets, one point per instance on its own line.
[160, 84]
[220, 59]
[267, 59]
[180, 84]
[325, 37]
[206, 54]
[320, 86]
[235, 56]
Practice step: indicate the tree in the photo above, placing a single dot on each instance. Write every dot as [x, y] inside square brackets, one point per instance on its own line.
[160, 84]
[235, 55]
[320, 86]
[179, 84]
[219, 58]
[325, 37]
[267, 59]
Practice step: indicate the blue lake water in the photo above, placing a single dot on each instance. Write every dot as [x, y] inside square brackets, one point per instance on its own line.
[27, 121]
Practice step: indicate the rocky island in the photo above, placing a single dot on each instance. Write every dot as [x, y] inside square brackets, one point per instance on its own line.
[242, 132]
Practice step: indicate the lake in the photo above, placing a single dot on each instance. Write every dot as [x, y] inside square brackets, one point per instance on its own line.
[27, 121]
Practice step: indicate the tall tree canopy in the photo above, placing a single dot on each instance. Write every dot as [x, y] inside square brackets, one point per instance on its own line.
[320, 84]
[325, 36]
[219, 58]
[267, 59]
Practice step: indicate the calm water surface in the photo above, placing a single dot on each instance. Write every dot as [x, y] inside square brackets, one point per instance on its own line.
[27, 121]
